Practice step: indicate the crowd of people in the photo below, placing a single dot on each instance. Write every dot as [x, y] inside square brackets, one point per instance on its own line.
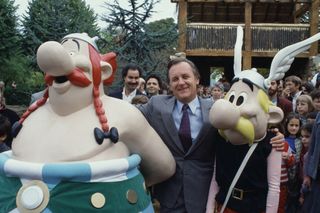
[300, 102]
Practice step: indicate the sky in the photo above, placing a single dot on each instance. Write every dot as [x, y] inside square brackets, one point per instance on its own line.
[164, 9]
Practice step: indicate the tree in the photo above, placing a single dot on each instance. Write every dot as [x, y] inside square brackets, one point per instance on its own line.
[133, 39]
[129, 25]
[164, 33]
[18, 70]
[165, 40]
[52, 20]
[9, 37]
[14, 67]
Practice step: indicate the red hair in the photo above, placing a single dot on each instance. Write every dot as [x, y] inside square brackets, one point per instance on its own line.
[95, 59]
[111, 59]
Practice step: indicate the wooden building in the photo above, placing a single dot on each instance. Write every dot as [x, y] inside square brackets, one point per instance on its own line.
[207, 32]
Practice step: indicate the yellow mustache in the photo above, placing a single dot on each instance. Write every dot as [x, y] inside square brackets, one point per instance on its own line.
[245, 128]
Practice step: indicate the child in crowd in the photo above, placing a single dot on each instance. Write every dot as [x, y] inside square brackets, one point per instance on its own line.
[5, 129]
[217, 91]
[306, 131]
[315, 96]
[287, 162]
[304, 106]
[292, 136]
[311, 116]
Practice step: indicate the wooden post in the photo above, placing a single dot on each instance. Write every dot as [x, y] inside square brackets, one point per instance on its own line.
[314, 21]
[247, 58]
[182, 25]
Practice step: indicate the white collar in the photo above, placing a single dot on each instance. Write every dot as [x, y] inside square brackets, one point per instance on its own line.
[193, 105]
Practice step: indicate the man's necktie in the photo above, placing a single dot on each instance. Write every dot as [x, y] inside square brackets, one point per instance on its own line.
[184, 130]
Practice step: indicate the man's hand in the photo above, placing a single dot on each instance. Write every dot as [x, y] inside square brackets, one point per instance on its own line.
[285, 155]
[277, 141]
[307, 181]
[286, 92]
[301, 200]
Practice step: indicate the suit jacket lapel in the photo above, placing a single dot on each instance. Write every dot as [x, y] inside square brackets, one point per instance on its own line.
[169, 122]
[205, 108]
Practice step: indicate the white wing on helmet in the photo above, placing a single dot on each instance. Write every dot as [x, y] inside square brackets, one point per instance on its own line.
[238, 51]
[284, 58]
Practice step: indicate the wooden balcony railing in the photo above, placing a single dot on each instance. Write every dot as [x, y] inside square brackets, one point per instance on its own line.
[273, 37]
[221, 37]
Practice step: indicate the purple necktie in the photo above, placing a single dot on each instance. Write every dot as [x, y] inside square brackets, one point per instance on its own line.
[184, 130]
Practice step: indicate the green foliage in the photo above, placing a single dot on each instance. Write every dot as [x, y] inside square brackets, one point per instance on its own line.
[164, 33]
[18, 70]
[127, 25]
[9, 37]
[13, 65]
[163, 43]
[148, 45]
[52, 20]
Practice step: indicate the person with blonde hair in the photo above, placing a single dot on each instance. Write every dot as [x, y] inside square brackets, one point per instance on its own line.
[304, 106]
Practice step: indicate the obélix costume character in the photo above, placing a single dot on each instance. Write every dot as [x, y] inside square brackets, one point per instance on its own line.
[65, 156]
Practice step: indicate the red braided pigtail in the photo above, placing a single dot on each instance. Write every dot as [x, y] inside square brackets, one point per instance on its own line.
[35, 106]
[99, 110]
[96, 74]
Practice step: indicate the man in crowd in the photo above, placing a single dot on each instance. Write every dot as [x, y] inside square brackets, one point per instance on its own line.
[130, 75]
[154, 85]
[281, 102]
[292, 89]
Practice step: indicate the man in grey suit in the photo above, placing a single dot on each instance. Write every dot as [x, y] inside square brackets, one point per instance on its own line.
[187, 190]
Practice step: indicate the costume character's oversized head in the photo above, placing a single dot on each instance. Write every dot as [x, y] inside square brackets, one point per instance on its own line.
[243, 115]
[74, 71]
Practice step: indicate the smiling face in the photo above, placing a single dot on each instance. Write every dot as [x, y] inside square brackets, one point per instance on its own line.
[152, 86]
[131, 80]
[183, 82]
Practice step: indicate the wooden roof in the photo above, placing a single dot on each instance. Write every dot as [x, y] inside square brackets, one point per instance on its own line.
[232, 11]
[253, 1]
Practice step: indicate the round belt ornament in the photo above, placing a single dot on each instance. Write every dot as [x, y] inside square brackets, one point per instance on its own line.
[98, 200]
[132, 196]
[32, 197]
